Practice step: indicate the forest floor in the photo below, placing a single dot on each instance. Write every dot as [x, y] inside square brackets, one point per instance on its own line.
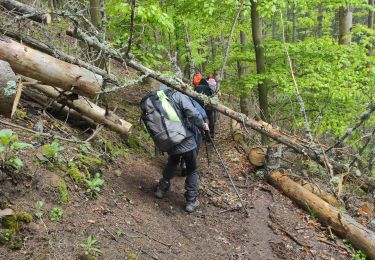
[128, 222]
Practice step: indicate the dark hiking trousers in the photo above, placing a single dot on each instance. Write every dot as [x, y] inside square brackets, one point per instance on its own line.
[211, 122]
[191, 181]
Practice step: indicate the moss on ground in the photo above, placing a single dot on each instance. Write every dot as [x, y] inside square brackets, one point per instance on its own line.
[64, 193]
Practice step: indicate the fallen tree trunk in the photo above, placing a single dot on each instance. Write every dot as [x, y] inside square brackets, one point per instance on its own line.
[26, 10]
[88, 109]
[298, 144]
[49, 70]
[10, 90]
[51, 50]
[70, 114]
[341, 223]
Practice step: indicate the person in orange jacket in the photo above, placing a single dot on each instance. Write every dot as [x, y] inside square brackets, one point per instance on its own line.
[196, 79]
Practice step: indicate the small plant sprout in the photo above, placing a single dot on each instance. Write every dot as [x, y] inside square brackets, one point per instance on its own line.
[39, 209]
[56, 214]
[88, 247]
[51, 151]
[9, 146]
[93, 186]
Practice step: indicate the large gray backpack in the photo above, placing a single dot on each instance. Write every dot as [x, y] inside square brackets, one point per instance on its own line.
[161, 120]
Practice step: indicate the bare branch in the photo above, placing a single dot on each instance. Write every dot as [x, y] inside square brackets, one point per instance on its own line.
[364, 116]
[228, 45]
[131, 29]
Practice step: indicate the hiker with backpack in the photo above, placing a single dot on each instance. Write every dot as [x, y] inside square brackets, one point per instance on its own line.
[170, 118]
[197, 78]
[204, 88]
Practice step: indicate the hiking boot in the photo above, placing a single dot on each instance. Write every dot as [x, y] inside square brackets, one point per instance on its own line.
[159, 193]
[191, 206]
[161, 189]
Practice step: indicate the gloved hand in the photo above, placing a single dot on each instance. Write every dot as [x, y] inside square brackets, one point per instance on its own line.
[206, 128]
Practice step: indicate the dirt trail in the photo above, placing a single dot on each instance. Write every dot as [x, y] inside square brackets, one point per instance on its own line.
[128, 222]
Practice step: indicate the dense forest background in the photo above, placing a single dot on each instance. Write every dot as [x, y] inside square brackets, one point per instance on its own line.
[329, 44]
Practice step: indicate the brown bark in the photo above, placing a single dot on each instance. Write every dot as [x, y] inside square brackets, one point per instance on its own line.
[89, 110]
[49, 70]
[28, 11]
[341, 223]
[10, 90]
[345, 25]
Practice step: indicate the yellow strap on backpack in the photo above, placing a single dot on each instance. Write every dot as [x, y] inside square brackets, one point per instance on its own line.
[172, 115]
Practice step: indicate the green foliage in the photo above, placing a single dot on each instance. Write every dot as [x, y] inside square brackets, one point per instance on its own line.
[359, 255]
[88, 247]
[93, 186]
[56, 214]
[51, 151]
[9, 146]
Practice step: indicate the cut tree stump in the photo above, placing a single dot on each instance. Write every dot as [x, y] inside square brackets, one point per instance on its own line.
[10, 90]
[344, 225]
[88, 109]
[49, 70]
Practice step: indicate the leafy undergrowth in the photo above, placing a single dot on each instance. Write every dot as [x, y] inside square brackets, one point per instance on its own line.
[70, 199]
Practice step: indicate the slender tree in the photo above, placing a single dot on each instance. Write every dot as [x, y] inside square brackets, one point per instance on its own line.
[345, 24]
[256, 26]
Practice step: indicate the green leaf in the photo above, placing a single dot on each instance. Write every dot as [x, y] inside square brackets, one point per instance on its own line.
[18, 146]
[5, 136]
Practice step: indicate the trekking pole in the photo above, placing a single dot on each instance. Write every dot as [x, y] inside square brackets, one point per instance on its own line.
[207, 155]
[229, 177]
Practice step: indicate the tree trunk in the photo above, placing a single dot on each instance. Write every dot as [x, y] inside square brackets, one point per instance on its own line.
[370, 18]
[342, 224]
[242, 69]
[10, 90]
[294, 22]
[273, 28]
[95, 12]
[60, 55]
[49, 70]
[89, 110]
[345, 25]
[370, 24]
[22, 9]
[260, 63]
[319, 29]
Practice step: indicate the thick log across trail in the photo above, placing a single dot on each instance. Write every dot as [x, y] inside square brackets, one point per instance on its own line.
[344, 225]
[49, 70]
